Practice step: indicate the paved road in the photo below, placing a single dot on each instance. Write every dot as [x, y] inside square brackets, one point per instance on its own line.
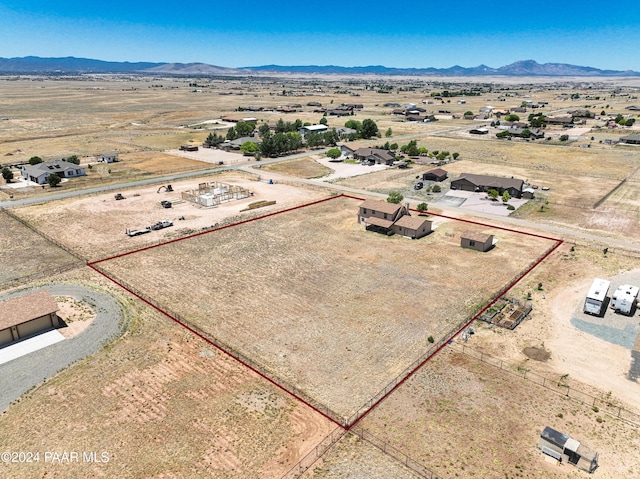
[553, 230]
[20, 375]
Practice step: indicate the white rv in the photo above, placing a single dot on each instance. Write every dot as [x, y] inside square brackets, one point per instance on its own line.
[596, 297]
[624, 298]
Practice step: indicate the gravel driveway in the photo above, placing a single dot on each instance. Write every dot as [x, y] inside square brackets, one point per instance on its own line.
[22, 374]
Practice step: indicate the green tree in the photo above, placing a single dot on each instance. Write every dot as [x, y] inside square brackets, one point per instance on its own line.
[526, 133]
[249, 148]
[512, 117]
[73, 159]
[422, 207]
[334, 153]
[353, 124]
[395, 197]
[7, 174]
[564, 137]
[369, 129]
[388, 133]
[53, 180]
[412, 148]
[264, 129]
[506, 196]
[313, 139]
[323, 121]
[245, 129]
[436, 189]
[455, 155]
[267, 147]
[34, 160]
[281, 127]
[502, 134]
[232, 134]
[393, 146]
[294, 140]
[468, 113]
[330, 137]
[493, 194]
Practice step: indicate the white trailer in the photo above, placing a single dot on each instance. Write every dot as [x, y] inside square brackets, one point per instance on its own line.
[597, 296]
[624, 299]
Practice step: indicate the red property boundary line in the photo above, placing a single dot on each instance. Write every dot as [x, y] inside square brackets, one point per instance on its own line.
[348, 426]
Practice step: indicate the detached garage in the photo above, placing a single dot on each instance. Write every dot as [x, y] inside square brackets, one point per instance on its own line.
[27, 316]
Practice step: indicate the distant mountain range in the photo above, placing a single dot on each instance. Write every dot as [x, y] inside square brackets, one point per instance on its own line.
[72, 65]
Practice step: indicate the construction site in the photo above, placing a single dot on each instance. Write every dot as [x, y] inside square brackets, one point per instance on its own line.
[213, 193]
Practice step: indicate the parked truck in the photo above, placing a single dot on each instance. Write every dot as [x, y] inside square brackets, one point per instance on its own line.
[624, 299]
[596, 297]
[161, 224]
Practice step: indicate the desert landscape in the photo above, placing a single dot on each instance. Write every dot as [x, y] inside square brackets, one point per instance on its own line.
[274, 336]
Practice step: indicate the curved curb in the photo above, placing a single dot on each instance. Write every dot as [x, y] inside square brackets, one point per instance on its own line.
[24, 373]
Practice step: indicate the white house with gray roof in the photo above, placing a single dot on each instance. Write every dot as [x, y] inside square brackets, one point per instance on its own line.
[40, 172]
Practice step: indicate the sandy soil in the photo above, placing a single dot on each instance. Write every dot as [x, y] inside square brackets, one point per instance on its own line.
[605, 366]
[95, 225]
[162, 403]
[453, 398]
[329, 321]
[77, 316]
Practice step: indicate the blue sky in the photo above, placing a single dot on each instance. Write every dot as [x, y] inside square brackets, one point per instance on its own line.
[398, 33]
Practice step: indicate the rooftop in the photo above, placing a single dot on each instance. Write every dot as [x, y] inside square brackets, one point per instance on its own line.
[25, 308]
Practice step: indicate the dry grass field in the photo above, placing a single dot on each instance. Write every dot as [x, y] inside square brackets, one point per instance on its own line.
[302, 168]
[354, 458]
[464, 418]
[320, 303]
[160, 402]
[317, 301]
[25, 255]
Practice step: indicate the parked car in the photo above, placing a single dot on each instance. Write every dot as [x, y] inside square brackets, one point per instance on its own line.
[418, 186]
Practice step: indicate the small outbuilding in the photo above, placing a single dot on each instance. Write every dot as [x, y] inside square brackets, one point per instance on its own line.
[108, 158]
[27, 316]
[563, 448]
[437, 174]
[476, 240]
[413, 227]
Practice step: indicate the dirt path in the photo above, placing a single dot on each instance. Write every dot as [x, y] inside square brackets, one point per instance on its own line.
[30, 370]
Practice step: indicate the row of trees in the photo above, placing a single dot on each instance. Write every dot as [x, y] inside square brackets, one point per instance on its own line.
[365, 129]
[280, 143]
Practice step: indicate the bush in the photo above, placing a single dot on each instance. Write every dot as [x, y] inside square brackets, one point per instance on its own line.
[436, 189]
[334, 153]
[430, 339]
[395, 197]
[564, 137]
[511, 207]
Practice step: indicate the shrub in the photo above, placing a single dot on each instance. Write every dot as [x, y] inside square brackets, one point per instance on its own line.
[430, 339]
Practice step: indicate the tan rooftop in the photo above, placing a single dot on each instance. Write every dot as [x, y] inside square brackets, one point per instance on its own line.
[381, 205]
[25, 308]
[477, 236]
[411, 222]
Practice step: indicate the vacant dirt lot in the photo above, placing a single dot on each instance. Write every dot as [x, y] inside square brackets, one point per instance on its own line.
[95, 225]
[302, 168]
[463, 418]
[24, 254]
[161, 402]
[319, 302]
[354, 458]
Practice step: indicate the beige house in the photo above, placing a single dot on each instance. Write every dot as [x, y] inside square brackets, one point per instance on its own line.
[478, 241]
[389, 218]
[27, 316]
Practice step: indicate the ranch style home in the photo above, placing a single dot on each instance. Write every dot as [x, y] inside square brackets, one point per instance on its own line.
[389, 218]
[27, 316]
[376, 156]
[40, 172]
[471, 182]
